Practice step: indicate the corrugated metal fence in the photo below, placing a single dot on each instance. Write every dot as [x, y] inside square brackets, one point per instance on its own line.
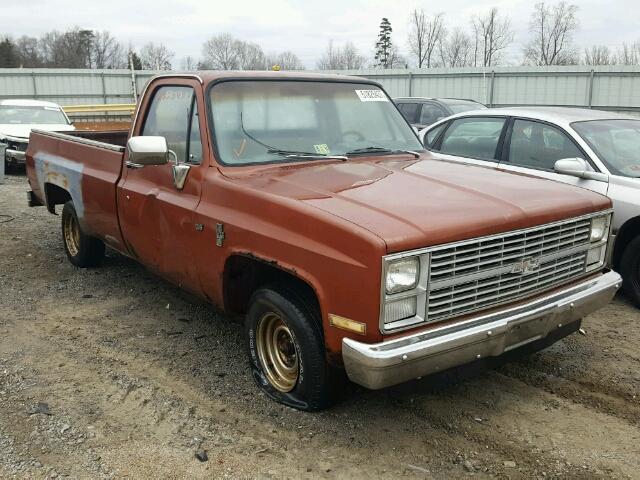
[615, 88]
[610, 88]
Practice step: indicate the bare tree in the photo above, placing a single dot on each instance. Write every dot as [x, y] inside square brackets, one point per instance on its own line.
[156, 57]
[221, 52]
[188, 63]
[286, 60]
[599, 55]
[29, 52]
[336, 58]
[330, 59]
[492, 35]
[552, 30]
[351, 58]
[456, 49]
[107, 52]
[426, 34]
[250, 56]
[395, 58]
[629, 54]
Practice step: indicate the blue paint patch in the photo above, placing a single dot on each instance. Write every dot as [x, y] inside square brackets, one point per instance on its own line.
[61, 172]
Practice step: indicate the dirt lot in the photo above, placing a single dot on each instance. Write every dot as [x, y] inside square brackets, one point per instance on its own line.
[137, 378]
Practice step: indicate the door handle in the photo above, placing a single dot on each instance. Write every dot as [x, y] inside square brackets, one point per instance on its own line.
[129, 164]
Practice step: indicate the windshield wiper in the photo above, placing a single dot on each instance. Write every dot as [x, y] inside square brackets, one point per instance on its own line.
[307, 155]
[382, 150]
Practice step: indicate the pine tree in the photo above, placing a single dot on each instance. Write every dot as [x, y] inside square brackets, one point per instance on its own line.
[8, 54]
[383, 45]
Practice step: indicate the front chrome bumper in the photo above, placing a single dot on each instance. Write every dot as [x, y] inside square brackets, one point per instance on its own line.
[408, 357]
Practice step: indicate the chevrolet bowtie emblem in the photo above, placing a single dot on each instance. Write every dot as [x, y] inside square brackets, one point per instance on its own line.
[526, 266]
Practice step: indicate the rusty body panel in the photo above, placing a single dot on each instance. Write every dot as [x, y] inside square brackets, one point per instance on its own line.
[89, 173]
[327, 223]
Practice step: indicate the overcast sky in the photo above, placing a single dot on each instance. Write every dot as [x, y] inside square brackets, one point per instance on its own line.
[304, 27]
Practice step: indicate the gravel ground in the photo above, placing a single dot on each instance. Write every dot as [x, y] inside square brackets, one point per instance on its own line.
[113, 372]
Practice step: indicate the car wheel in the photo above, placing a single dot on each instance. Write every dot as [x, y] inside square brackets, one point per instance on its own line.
[630, 270]
[286, 348]
[82, 250]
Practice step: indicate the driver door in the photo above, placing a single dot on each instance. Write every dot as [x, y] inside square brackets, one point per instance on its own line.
[156, 215]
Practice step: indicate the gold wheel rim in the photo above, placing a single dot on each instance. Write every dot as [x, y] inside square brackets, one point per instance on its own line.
[72, 235]
[277, 352]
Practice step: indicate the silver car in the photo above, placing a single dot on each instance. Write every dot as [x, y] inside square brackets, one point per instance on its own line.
[593, 149]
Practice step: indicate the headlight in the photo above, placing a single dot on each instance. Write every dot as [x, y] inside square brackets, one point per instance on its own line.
[402, 275]
[599, 228]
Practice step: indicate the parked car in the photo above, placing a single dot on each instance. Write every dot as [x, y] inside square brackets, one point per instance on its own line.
[422, 112]
[17, 119]
[307, 204]
[592, 149]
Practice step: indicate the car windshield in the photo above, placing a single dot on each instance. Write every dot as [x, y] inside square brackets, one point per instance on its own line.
[458, 106]
[23, 115]
[260, 121]
[616, 142]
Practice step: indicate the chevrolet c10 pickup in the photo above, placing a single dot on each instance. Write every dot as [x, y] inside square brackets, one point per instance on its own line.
[307, 204]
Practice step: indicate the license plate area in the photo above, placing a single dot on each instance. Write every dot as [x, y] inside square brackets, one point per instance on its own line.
[526, 332]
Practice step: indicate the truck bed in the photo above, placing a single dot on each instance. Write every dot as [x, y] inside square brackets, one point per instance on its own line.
[88, 165]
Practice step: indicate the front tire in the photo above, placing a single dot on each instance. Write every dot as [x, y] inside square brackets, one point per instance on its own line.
[286, 348]
[81, 249]
[630, 270]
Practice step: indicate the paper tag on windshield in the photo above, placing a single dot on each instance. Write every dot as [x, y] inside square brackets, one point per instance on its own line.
[322, 149]
[371, 96]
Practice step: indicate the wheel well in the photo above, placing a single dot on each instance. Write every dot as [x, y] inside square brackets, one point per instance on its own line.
[628, 231]
[243, 275]
[55, 195]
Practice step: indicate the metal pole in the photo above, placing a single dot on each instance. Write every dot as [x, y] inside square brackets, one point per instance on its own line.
[410, 83]
[104, 88]
[590, 93]
[493, 78]
[3, 147]
[35, 87]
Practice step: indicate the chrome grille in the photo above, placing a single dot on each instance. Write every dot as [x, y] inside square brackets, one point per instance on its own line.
[474, 275]
[467, 258]
[477, 294]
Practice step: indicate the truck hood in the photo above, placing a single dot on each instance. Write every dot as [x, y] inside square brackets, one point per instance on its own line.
[425, 202]
[23, 130]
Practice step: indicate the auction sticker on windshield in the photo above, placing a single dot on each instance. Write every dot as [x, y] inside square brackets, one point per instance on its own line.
[371, 96]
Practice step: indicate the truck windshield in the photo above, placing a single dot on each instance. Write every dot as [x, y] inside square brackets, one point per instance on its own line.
[23, 115]
[616, 142]
[257, 121]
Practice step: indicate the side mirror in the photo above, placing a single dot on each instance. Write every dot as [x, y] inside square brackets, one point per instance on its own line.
[147, 151]
[577, 167]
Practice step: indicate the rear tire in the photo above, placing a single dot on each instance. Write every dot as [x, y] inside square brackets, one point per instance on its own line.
[286, 349]
[81, 249]
[630, 270]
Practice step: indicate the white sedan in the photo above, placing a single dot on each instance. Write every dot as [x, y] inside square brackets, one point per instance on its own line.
[592, 149]
[17, 119]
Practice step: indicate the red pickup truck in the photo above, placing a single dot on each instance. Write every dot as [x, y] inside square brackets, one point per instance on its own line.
[307, 204]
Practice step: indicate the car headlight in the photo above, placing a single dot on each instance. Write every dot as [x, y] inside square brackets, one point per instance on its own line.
[599, 228]
[402, 275]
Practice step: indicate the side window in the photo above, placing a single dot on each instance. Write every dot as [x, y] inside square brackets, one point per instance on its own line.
[474, 137]
[430, 114]
[433, 134]
[409, 111]
[168, 117]
[538, 145]
[195, 143]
